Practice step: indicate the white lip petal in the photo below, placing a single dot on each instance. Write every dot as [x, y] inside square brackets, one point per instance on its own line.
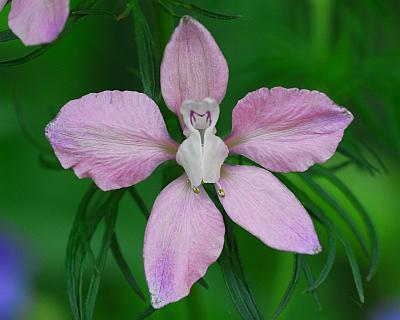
[202, 153]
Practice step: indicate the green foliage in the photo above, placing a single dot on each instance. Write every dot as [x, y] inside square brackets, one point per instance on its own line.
[85, 266]
[194, 9]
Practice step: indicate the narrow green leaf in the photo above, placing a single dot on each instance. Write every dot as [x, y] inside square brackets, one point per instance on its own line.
[291, 287]
[318, 214]
[310, 279]
[232, 269]
[94, 12]
[26, 58]
[337, 207]
[110, 219]
[7, 35]
[204, 12]
[146, 313]
[340, 185]
[139, 201]
[330, 259]
[124, 267]
[148, 59]
[72, 260]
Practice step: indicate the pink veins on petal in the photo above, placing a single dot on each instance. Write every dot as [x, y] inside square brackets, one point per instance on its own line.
[119, 138]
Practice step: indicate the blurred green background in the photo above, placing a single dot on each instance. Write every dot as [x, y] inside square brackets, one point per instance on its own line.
[348, 49]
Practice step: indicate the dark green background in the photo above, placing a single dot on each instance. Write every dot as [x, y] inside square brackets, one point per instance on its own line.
[348, 49]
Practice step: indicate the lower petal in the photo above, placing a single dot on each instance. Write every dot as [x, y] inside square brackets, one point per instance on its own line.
[261, 204]
[184, 235]
[38, 21]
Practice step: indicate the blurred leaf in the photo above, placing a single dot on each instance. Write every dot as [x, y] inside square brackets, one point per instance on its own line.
[310, 279]
[356, 155]
[346, 191]
[377, 157]
[49, 164]
[291, 287]
[7, 35]
[124, 267]
[337, 207]
[26, 130]
[148, 59]
[197, 9]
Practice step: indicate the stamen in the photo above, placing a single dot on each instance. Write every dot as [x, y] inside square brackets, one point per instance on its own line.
[196, 190]
[221, 193]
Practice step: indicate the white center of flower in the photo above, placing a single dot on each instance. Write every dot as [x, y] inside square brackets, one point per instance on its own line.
[202, 153]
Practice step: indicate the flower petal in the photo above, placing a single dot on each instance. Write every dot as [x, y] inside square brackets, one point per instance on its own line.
[202, 153]
[193, 67]
[262, 205]
[2, 3]
[287, 129]
[116, 138]
[184, 235]
[38, 21]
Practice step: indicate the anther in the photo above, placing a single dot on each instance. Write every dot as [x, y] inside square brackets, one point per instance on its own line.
[196, 190]
[221, 192]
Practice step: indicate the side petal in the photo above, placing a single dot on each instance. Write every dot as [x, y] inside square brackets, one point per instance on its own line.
[190, 157]
[184, 235]
[193, 67]
[215, 153]
[116, 138]
[287, 129]
[261, 204]
[38, 21]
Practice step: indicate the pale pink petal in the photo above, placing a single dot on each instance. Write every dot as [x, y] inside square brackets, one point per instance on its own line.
[116, 138]
[38, 21]
[2, 3]
[287, 129]
[184, 235]
[262, 205]
[193, 67]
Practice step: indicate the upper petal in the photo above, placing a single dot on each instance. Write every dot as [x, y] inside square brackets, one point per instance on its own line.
[116, 138]
[287, 129]
[38, 21]
[262, 205]
[193, 67]
[184, 235]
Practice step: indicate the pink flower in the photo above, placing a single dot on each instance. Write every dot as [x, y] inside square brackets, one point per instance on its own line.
[119, 138]
[37, 21]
